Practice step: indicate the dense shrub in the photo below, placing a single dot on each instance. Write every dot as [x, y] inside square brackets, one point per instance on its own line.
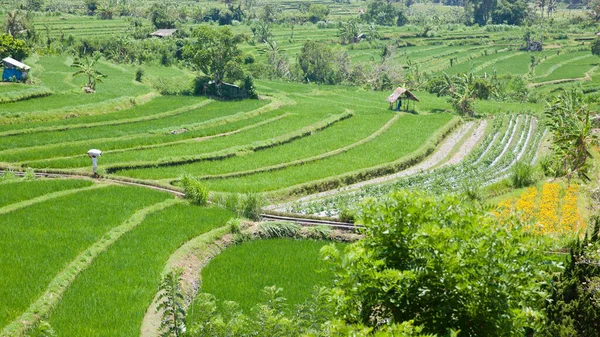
[574, 307]
[443, 263]
[522, 175]
[250, 205]
[195, 191]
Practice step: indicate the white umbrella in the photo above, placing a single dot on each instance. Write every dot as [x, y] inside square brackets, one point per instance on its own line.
[95, 152]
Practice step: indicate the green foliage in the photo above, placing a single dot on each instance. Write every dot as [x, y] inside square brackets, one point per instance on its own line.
[250, 205]
[145, 252]
[522, 175]
[160, 16]
[317, 12]
[21, 189]
[442, 263]
[8, 175]
[312, 318]
[569, 121]
[249, 87]
[596, 47]
[316, 62]
[138, 74]
[13, 47]
[86, 67]
[510, 12]
[278, 229]
[49, 235]
[380, 12]
[195, 191]
[240, 272]
[16, 23]
[234, 226]
[42, 329]
[215, 52]
[573, 308]
[172, 305]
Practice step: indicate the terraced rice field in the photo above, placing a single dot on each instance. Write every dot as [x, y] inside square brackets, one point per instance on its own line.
[511, 139]
[74, 247]
[272, 144]
[241, 272]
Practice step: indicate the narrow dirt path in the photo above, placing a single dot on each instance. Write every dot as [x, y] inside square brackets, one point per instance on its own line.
[434, 160]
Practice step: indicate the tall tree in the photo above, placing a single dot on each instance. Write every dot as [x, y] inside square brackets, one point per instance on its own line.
[316, 62]
[380, 12]
[215, 52]
[160, 16]
[481, 10]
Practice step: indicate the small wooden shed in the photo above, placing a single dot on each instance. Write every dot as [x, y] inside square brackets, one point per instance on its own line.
[398, 95]
[14, 70]
[164, 33]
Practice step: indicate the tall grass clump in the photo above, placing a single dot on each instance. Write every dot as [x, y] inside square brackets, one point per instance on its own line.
[250, 205]
[522, 175]
[194, 190]
[278, 229]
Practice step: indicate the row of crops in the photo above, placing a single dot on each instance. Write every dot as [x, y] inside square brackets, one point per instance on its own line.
[75, 248]
[271, 144]
[511, 139]
[87, 257]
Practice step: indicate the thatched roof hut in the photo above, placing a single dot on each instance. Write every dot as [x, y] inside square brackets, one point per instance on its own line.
[402, 93]
[399, 94]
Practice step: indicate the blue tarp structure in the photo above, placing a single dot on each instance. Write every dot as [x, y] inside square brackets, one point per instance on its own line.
[14, 70]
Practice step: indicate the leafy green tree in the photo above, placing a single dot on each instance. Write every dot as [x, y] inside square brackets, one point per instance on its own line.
[34, 5]
[380, 12]
[568, 118]
[215, 52]
[317, 12]
[574, 309]
[15, 48]
[481, 10]
[510, 12]
[160, 16]
[316, 60]
[270, 13]
[172, 304]
[86, 67]
[441, 262]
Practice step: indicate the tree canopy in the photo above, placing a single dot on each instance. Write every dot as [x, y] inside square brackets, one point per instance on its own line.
[15, 48]
[441, 262]
[215, 52]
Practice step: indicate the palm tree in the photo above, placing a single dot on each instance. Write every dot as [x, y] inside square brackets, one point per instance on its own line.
[15, 23]
[541, 4]
[86, 67]
[568, 119]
